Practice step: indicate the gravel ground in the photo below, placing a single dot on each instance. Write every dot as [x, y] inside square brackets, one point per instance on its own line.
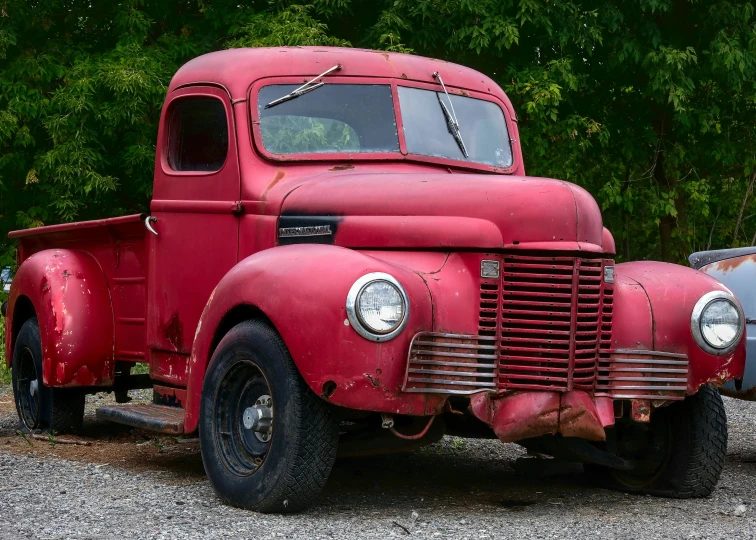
[130, 484]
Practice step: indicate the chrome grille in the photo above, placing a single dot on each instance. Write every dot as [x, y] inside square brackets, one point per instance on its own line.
[638, 374]
[544, 324]
[451, 364]
[536, 322]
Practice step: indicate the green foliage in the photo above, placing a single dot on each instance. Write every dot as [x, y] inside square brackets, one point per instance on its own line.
[649, 105]
[298, 135]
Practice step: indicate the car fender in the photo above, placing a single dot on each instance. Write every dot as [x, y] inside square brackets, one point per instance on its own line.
[301, 289]
[71, 299]
[671, 292]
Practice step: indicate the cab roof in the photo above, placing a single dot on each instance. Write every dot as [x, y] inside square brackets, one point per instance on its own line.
[237, 69]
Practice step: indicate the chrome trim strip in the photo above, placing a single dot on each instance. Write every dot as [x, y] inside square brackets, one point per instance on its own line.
[647, 352]
[455, 373]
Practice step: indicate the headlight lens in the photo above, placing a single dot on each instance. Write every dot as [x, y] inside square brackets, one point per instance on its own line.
[380, 307]
[377, 306]
[717, 322]
[720, 324]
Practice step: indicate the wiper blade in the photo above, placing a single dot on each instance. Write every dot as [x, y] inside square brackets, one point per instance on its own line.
[452, 124]
[302, 90]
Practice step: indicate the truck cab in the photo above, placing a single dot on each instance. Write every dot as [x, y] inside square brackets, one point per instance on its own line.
[343, 254]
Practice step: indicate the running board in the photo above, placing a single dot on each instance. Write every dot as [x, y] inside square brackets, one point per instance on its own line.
[148, 416]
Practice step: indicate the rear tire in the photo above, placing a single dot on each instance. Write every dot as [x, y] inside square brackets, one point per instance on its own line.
[54, 410]
[692, 437]
[280, 470]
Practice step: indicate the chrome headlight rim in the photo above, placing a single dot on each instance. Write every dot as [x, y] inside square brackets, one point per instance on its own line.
[695, 321]
[351, 306]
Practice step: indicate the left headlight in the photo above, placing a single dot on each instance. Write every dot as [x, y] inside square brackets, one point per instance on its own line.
[717, 322]
[377, 306]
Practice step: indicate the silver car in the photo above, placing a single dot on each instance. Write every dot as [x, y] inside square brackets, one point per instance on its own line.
[736, 268]
[5, 279]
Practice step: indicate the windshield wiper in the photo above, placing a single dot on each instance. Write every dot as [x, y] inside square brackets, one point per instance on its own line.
[306, 87]
[452, 123]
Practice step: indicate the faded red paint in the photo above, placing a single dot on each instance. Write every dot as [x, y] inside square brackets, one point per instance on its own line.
[427, 221]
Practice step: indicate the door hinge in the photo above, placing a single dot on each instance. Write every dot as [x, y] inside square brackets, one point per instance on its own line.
[238, 208]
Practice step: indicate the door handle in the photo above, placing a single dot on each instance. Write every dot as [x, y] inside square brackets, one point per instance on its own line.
[147, 223]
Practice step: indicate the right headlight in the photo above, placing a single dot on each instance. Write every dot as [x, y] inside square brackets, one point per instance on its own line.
[717, 322]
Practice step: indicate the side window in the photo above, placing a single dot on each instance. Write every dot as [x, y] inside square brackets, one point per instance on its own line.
[198, 135]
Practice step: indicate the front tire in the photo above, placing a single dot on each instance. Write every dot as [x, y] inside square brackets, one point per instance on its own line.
[54, 410]
[684, 453]
[283, 466]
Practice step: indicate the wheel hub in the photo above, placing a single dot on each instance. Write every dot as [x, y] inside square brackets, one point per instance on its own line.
[259, 418]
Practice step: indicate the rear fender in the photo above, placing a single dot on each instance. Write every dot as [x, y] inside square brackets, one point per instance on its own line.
[301, 289]
[71, 300]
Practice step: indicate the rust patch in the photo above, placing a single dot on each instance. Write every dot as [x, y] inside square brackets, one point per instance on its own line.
[464, 93]
[404, 75]
[375, 381]
[386, 56]
[174, 333]
[66, 274]
[280, 175]
[641, 410]
[342, 168]
[731, 264]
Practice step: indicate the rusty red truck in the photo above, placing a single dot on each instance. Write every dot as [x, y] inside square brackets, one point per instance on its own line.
[343, 253]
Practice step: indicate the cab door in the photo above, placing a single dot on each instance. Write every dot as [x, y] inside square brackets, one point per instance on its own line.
[194, 234]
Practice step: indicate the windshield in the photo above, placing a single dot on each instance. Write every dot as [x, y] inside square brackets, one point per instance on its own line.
[481, 124]
[337, 118]
[359, 118]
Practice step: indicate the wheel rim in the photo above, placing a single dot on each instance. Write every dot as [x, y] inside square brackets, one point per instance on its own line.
[650, 446]
[28, 390]
[243, 418]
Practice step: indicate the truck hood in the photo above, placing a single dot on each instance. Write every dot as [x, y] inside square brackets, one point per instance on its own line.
[379, 210]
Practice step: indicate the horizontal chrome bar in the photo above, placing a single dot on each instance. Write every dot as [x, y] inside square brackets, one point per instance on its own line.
[451, 364]
[618, 360]
[451, 383]
[452, 373]
[649, 353]
[453, 345]
[445, 391]
[453, 354]
[641, 370]
[645, 379]
[660, 397]
[639, 387]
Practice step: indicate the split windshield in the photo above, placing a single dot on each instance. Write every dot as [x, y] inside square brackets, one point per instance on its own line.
[359, 118]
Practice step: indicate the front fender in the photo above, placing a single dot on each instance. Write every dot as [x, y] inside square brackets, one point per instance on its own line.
[71, 299]
[302, 290]
[653, 306]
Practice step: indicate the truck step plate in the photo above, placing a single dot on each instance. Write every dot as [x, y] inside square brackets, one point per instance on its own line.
[145, 416]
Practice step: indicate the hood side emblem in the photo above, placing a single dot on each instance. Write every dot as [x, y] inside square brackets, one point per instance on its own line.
[294, 232]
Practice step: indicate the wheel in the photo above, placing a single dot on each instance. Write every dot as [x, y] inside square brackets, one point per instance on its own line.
[268, 443]
[680, 453]
[53, 410]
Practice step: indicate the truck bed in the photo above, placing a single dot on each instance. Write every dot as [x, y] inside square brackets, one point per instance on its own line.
[118, 245]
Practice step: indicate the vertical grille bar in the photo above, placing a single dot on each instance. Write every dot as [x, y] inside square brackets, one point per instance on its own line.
[573, 322]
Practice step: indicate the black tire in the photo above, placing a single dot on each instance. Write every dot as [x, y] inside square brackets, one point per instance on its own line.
[286, 473]
[692, 440]
[39, 407]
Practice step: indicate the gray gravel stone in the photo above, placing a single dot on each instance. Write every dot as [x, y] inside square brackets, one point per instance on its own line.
[458, 488]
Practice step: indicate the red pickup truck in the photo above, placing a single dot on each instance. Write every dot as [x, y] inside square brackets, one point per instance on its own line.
[343, 253]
